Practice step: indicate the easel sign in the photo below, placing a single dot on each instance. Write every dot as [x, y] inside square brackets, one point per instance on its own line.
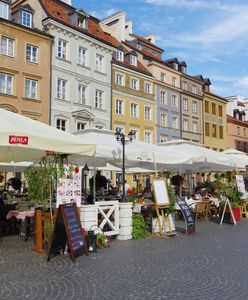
[160, 192]
[67, 231]
[228, 205]
[164, 221]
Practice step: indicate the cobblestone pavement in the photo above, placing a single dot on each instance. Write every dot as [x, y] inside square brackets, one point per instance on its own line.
[213, 264]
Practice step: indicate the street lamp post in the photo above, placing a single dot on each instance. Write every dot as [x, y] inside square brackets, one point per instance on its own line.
[120, 137]
[85, 172]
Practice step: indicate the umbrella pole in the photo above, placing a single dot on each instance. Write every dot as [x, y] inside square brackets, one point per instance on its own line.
[94, 179]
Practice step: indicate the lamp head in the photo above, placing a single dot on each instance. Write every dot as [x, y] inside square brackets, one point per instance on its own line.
[131, 135]
[86, 169]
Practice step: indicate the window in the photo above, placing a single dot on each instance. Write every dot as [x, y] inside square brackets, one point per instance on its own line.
[206, 106]
[119, 79]
[148, 113]
[134, 110]
[183, 69]
[99, 99]
[163, 119]
[174, 81]
[221, 132]
[133, 60]
[148, 137]
[195, 127]
[238, 130]
[62, 49]
[175, 66]
[174, 100]
[82, 56]
[99, 62]
[7, 46]
[119, 107]
[214, 130]
[174, 122]
[185, 85]
[220, 111]
[213, 108]
[135, 134]
[26, 19]
[194, 107]
[148, 88]
[119, 55]
[4, 10]
[80, 126]
[31, 88]
[61, 124]
[61, 89]
[134, 84]
[194, 89]
[163, 138]
[207, 131]
[82, 23]
[162, 77]
[81, 93]
[185, 125]
[185, 103]
[6, 84]
[163, 97]
[32, 53]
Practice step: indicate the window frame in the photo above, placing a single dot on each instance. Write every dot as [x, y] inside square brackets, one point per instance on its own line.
[136, 115]
[61, 89]
[99, 62]
[32, 56]
[6, 76]
[2, 4]
[148, 113]
[82, 57]
[63, 120]
[81, 99]
[63, 52]
[98, 99]
[26, 13]
[8, 40]
[119, 107]
[28, 93]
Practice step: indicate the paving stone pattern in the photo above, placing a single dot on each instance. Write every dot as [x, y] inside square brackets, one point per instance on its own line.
[213, 264]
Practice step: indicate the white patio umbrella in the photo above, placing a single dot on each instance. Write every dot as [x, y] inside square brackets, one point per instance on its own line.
[240, 158]
[23, 139]
[137, 154]
[204, 160]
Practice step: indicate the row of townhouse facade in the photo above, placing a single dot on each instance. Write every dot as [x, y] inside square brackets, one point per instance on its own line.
[61, 66]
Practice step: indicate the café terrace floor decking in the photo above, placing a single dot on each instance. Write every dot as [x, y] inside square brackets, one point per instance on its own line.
[210, 265]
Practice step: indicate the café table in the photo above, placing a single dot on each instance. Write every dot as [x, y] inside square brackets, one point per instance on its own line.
[25, 218]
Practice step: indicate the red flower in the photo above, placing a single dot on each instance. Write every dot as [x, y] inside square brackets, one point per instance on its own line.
[76, 170]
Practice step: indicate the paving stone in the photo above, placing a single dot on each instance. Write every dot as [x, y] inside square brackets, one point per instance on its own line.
[209, 265]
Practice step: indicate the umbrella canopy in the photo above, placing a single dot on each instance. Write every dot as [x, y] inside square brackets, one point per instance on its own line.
[204, 160]
[15, 167]
[137, 154]
[240, 158]
[23, 139]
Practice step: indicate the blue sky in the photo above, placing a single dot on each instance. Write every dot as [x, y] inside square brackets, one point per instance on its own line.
[210, 35]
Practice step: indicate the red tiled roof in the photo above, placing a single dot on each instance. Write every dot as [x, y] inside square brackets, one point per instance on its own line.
[140, 67]
[240, 104]
[231, 119]
[141, 38]
[59, 11]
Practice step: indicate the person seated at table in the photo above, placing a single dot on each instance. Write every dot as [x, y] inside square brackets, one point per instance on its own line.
[101, 182]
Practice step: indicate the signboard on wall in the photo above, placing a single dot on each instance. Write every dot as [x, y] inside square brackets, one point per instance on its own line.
[69, 188]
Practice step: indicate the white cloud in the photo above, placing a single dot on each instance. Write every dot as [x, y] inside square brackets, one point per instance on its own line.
[196, 4]
[243, 82]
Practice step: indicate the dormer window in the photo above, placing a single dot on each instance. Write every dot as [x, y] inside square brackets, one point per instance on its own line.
[183, 69]
[4, 10]
[82, 23]
[175, 66]
[119, 55]
[133, 60]
[26, 19]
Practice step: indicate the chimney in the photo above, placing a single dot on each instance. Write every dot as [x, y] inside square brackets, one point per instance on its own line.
[69, 2]
[150, 38]
[117, 23]
[128, 29]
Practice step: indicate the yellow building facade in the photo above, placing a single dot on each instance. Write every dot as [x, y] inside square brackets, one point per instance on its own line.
[215, 122]
[133, 103]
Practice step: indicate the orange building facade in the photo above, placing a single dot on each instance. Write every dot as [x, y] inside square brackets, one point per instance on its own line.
[25, 70]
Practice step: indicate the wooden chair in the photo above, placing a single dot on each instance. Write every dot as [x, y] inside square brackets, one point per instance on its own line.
[201, 209]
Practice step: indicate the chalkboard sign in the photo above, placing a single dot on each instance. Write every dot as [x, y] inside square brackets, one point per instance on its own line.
[160, 192]
[187, 214]
[67, 230]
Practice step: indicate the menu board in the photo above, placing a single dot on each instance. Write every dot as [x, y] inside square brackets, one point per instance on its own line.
[187, 214]
[69, 188]
[160, 192]
[67, 230]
